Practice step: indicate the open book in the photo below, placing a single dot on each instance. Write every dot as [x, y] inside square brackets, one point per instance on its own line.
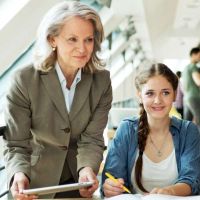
[151, 197]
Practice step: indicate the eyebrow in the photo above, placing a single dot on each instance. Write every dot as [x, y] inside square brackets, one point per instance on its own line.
[164, 89]
[72, 35]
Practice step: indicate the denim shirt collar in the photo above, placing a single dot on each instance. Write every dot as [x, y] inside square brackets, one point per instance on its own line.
[175, 126]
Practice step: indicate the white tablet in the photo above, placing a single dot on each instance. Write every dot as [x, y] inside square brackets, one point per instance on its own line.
[56, 189]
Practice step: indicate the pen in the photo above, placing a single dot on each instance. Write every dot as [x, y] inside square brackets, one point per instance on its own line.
[114, 179]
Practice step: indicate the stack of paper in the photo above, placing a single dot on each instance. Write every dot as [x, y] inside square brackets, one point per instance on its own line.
[151, 197]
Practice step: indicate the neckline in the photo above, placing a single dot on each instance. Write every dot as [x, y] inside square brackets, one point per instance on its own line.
[162, 161]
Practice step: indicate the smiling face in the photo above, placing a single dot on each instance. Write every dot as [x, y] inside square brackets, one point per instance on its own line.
[157, 96]
[74, 44]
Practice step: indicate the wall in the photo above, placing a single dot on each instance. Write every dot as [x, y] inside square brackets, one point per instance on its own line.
[20, 32]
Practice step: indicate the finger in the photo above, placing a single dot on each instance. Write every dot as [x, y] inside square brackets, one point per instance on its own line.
[113, 183]
[25, 197]
[87, 174]
[121, 181]
[112, 188]
[154, 191]
[94, 181]
[14, 190]
[87, 192]
[83, 179]
[111, 191]
[22, 184]
[17, 193]
[163, 191]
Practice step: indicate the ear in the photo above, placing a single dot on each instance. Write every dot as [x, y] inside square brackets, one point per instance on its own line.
[139, 96]
[175, 93]
[51, 40]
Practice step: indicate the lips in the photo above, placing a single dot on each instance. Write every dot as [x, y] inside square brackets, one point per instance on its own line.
[158, 108]
[80, 57]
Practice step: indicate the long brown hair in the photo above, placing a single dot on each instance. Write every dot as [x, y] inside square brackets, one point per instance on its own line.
[144, 73]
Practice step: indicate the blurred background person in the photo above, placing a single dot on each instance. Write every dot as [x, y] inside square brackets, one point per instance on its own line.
[178, 104]
[191, 87]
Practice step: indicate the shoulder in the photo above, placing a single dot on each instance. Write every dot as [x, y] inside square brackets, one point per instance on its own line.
[101, 76]
[25, 73]
[101, 82]
[131, 122]
[181, 123]
[194, 68]
[191, 129]
[127, 128]
[185, 128]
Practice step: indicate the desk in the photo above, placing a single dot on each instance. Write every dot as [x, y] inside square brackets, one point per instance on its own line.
[94, 198]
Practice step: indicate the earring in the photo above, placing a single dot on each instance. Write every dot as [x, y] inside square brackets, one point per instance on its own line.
[53, 48]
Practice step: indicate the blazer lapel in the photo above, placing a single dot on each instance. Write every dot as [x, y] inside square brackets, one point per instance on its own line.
[52, 85]
[81, 93]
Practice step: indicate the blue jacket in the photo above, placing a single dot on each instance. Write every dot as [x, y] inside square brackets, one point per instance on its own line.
[123, 149]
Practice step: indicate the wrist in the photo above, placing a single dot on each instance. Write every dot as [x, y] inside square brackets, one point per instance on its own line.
[84, 169]
[80, 170]
[172, 191]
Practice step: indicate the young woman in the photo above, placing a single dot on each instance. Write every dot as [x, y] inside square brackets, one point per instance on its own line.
[57, 107]
[154, 153]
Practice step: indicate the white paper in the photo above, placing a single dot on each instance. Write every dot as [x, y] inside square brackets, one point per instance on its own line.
[151, 197]
[56, 189]
[126, 197]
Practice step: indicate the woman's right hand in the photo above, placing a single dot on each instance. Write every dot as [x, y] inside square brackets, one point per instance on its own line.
[112, 188]
[20, 182]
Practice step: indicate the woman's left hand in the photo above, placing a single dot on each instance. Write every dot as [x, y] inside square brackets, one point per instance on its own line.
[87, 174]
[166, 190]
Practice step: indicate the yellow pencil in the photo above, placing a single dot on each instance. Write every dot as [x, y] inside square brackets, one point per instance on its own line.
[114, 179]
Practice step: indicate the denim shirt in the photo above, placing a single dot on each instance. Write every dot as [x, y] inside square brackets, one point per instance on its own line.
[123, 149]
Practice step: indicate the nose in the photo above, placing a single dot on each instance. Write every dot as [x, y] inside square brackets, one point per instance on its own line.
[157, 99]
[81, 47]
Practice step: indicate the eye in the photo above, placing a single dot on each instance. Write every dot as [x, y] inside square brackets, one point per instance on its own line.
[165, 93]
[149, 94]
[72, 39]
[90, 40]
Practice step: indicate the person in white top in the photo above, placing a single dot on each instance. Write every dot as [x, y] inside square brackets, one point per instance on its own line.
[154, 153]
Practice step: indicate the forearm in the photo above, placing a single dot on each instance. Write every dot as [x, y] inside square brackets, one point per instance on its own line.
[16, 164]
[17, 157]
[91, 157]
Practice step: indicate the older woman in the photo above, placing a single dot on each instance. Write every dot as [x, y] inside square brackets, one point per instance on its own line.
[57, 107]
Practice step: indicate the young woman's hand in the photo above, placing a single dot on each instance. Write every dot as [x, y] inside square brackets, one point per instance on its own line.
[165, 190]
[178, 189]
[111, 188]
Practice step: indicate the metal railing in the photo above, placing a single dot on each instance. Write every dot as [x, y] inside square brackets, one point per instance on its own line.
[2, 167]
